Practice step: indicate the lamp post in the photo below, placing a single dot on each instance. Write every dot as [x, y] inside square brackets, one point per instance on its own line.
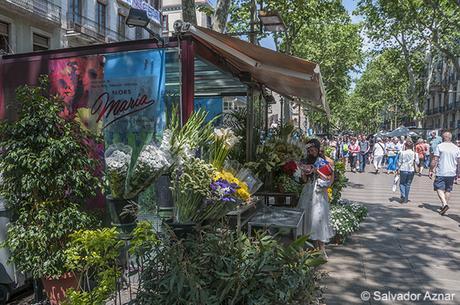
[139, 18]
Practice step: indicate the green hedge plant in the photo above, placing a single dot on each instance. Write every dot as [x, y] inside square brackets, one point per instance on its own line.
[48, 175]
[221, 267]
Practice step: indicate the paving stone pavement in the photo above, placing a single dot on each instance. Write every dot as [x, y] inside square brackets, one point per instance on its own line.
[398, 249]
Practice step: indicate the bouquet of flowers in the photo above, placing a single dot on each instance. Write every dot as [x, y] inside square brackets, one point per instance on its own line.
[152, 162]
[117, 159]
[242, 192]
[224, 140]
[222, 200]
[191, 185]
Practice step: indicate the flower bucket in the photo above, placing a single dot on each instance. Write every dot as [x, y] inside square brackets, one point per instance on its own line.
[56, 288]
[124, 221]
[163, 192]
[182, 230]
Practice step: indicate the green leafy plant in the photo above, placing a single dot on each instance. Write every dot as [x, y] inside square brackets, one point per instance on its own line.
[48, 175]
[224, 267]
[287, 184]
[94, 255]
[340, 181]
[144, 239]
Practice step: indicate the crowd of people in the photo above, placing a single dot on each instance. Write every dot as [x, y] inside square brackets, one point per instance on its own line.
[404, 157]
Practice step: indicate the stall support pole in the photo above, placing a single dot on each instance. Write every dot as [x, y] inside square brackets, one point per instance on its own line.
[250, 125]
[187, 57]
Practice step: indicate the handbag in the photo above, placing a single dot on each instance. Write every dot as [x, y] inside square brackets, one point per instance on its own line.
[395, 182]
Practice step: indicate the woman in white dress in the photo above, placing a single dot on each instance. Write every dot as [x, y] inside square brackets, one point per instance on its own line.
[314, 198]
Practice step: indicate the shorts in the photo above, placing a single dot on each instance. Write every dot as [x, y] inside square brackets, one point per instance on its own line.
[444, 183]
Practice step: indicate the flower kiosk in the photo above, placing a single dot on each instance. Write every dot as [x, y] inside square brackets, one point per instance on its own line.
[150, 118]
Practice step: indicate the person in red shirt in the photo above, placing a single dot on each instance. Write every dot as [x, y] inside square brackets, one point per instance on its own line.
[354, 150]
[420, 150]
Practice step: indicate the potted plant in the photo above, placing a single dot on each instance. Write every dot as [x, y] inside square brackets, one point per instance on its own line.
[94, 256]
[48, 176]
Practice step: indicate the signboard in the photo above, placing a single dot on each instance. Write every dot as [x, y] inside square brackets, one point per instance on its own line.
[120, 95]
[153, 14]
[213, 105]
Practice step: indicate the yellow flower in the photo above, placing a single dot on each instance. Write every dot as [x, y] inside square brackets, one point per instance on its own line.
[329, 193]
[243, 189]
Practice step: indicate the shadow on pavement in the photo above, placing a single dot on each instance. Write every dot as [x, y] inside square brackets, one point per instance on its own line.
[355, 185]
[429, 206]
[398, 250]
[454, 217]
[394, 199]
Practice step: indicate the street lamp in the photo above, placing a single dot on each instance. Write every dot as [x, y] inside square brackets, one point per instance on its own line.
[272, 21]
[139, 18]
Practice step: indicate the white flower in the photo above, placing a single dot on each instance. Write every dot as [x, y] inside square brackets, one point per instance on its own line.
[227, 136]
[151, 163]
[166, 141]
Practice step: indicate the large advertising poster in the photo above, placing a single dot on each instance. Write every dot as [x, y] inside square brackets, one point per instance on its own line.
[119, 95]
[213, 105]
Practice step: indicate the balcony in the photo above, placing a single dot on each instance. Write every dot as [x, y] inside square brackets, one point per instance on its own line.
[90, 30]
[46, 10]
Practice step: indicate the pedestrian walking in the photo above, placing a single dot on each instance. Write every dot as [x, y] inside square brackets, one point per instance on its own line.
[427, 154]
[407, 162]
[456, 178]
[378, 153]
[345, 152]
[392, 151]
[364, 148]
[353, 150]
[420, 150]
[434, 141]
[445, 165]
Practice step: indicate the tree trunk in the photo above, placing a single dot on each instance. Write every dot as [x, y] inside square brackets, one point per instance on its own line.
[219, 19]
[429, 77]
[189, 11]
[412, 81]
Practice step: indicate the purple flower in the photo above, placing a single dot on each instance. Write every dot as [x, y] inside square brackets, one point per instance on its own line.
[223, 190]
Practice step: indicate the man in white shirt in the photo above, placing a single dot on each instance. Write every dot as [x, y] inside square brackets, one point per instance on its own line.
[378, 153]
[446, 166]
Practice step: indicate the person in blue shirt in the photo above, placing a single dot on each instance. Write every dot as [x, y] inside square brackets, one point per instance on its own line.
[434, 141]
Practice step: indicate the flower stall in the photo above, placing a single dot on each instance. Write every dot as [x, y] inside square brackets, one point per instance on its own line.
[135, 114]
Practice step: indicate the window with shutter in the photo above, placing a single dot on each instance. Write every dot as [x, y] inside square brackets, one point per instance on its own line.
[40, 42]
[4, 37]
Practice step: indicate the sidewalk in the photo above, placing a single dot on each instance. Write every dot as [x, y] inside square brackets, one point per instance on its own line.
[399, 248]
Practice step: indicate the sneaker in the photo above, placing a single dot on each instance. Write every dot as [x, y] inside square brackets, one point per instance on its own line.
[444, 210]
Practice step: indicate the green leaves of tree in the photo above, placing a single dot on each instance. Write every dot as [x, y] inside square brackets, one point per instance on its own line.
[48, 174]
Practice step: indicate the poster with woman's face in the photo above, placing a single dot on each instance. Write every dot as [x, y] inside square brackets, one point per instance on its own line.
[73, 80]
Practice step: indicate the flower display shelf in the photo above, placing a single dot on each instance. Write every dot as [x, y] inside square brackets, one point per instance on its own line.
[280, 199]
[279, 218]
[240, 217]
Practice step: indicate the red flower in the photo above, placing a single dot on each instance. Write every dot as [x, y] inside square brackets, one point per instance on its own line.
[289, 168]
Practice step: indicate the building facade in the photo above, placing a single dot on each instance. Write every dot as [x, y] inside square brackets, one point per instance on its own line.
[35, 25]
[442, 108]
